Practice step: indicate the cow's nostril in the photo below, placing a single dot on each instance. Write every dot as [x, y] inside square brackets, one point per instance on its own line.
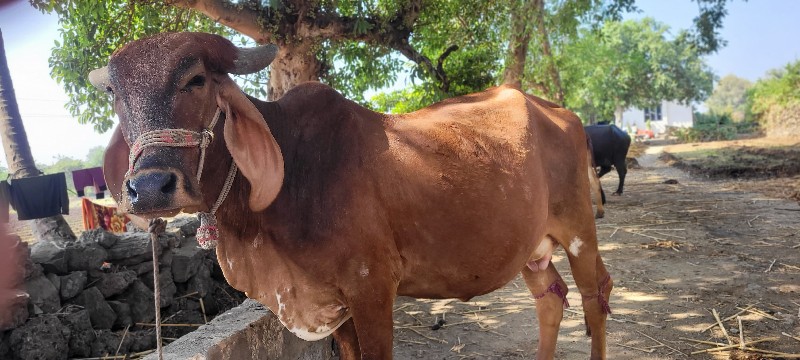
[152, 187]
[131, 191]
[171, 185]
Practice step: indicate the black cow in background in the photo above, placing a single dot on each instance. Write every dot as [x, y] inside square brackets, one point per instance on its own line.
[610, 147]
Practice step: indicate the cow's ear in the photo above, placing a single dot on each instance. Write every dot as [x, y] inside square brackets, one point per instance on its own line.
[115, 164]
[251, 144]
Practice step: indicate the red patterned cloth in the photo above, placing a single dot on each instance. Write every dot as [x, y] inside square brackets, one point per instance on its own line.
[96, 216]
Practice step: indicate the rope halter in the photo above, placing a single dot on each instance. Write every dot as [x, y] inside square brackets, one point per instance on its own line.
[174, 138]
[207, 233]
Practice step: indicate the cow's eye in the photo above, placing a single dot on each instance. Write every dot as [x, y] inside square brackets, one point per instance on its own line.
[197, 81]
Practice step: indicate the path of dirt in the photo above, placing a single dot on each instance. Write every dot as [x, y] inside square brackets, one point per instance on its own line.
[675, 251]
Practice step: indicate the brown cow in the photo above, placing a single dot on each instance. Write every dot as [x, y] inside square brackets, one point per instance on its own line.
[335, 210]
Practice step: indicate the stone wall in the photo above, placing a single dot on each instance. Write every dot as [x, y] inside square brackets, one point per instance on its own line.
[80, 296]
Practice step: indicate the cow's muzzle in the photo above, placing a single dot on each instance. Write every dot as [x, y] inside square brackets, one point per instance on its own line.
[151, 188]
[157, 192]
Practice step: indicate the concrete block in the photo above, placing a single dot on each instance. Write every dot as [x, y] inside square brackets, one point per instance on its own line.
[247, 332]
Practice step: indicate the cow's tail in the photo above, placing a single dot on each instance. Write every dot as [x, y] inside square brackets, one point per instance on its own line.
[594, 181]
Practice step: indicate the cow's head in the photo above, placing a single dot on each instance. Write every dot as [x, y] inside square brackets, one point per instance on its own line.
[178, 81]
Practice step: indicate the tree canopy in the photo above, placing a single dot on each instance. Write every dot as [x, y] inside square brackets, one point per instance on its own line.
[780, 87]
[779, 90]
[730, 97]
[450, 47]
[632, 63]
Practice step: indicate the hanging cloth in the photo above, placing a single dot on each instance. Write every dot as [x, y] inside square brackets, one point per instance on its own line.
[96, 216]
[40, 196]
[90, 177]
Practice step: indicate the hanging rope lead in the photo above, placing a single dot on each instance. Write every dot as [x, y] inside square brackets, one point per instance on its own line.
[156, 228]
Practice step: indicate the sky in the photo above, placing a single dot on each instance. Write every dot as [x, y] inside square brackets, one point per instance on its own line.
[28, 36]
[761, 35]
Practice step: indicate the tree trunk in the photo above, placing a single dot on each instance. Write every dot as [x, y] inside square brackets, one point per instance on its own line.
[558, 90]
[294, 65]
[618, 116]
[518, 43]
[12, 133]
[18, 151]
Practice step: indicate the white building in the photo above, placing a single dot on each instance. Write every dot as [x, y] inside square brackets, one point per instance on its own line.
[668, 114]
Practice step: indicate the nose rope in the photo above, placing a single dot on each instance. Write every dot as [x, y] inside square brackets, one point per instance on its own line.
[174, 138]
[208, 233]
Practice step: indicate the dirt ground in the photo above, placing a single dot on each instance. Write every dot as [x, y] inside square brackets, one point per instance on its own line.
[676, 252]
[775, 162]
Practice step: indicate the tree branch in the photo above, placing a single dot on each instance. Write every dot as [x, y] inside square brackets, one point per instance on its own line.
[393, 32]
[537, 86]
[316, 24]
[244, 19]
[437, 72]
[440, 74]
[444, 56]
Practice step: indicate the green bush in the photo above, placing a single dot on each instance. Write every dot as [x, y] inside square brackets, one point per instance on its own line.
[712, 127]
[780, 89]
[774, 100]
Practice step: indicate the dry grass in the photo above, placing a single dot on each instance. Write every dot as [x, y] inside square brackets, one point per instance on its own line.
[636, 149]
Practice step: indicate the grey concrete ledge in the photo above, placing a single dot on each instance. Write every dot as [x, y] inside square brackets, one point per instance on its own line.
[248, 331]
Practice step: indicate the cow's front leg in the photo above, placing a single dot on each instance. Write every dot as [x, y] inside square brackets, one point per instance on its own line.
[371, 308]
[347, 341]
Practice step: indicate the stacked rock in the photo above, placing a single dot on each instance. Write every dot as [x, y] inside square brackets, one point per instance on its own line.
[93, 296]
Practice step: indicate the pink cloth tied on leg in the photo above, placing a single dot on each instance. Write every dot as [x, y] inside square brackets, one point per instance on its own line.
[555, 288]
[601, 299]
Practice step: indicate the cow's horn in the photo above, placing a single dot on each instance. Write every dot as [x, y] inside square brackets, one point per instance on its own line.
[99, 78]
[254, 59]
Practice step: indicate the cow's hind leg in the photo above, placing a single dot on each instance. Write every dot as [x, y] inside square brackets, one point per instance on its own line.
[347, 341]
[594, 284]
[550, 293]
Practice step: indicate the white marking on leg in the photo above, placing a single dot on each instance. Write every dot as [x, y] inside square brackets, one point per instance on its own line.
[281, 306]
[282, 315]
[364, 270]
[302, 330]
[230, 263]
[575, 246]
